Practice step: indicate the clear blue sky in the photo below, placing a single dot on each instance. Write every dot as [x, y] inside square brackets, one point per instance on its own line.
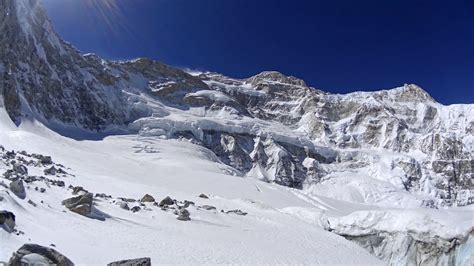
[338, 46]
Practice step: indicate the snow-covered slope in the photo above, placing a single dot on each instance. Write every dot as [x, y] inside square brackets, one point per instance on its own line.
[129, 167]
[319, 175]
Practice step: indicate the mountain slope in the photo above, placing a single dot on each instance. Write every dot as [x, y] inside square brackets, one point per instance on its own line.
[48, 79]
[129, 167]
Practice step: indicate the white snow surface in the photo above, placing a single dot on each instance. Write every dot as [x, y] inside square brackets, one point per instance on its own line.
[279, 228]
[283, 225]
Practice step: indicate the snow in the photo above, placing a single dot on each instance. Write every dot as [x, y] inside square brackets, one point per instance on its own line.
[212, 95]
[244, 88]
[423, 221]
[283, 225]
[273, 232]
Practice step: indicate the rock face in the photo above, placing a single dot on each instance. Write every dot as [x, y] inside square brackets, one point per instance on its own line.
[399, 238]
[81, 204]
[280, 130]
[32, 254]
[413, 249]
[7, 221]
[132, 262]
[44, 77]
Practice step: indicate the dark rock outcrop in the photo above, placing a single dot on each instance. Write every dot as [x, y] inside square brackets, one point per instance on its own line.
[42, 256]
[81, 204]
[50, 171]
[166, 202]
[135, 209]
[411, 249]
[208, 207]
[132, 262]
[7, 221]
[123, 205]
[18, 188]
[147, 198]
[183, 215]
[238, 212]
[20, 169]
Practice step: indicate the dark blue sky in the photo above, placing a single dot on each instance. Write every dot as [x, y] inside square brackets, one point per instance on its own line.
[338, 46]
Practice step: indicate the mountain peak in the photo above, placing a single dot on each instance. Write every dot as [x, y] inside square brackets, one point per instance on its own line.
[275, 77]
[413, 92]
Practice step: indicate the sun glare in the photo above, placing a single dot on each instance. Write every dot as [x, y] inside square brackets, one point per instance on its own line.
[110, 12]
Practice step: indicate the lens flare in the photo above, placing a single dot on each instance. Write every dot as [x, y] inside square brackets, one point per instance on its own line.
[110, 13]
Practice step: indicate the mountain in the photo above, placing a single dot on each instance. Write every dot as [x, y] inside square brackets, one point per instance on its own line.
[47, 79]
[386, 170]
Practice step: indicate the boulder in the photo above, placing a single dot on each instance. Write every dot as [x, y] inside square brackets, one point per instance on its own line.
[208, 207]
[135, 209]
[7, 221]
[20, 169]
[61, 171]
[127, 199]
[79, 190]
[132, 262]
[81, 204]
[50, 171]
[18, 188]
[102, 195]
[31, 179]
[9, 174]
[238, 212]
[46, 159]
[204, 196]
[58, 183]
[10, 154]
[166, 202]
[123, 205]
[188, 203]
[148, 198]
[32, 254]
[183, 215]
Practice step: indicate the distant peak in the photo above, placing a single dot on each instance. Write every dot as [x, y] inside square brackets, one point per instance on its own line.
[275, 76]
[414, 92]
[405, 93]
